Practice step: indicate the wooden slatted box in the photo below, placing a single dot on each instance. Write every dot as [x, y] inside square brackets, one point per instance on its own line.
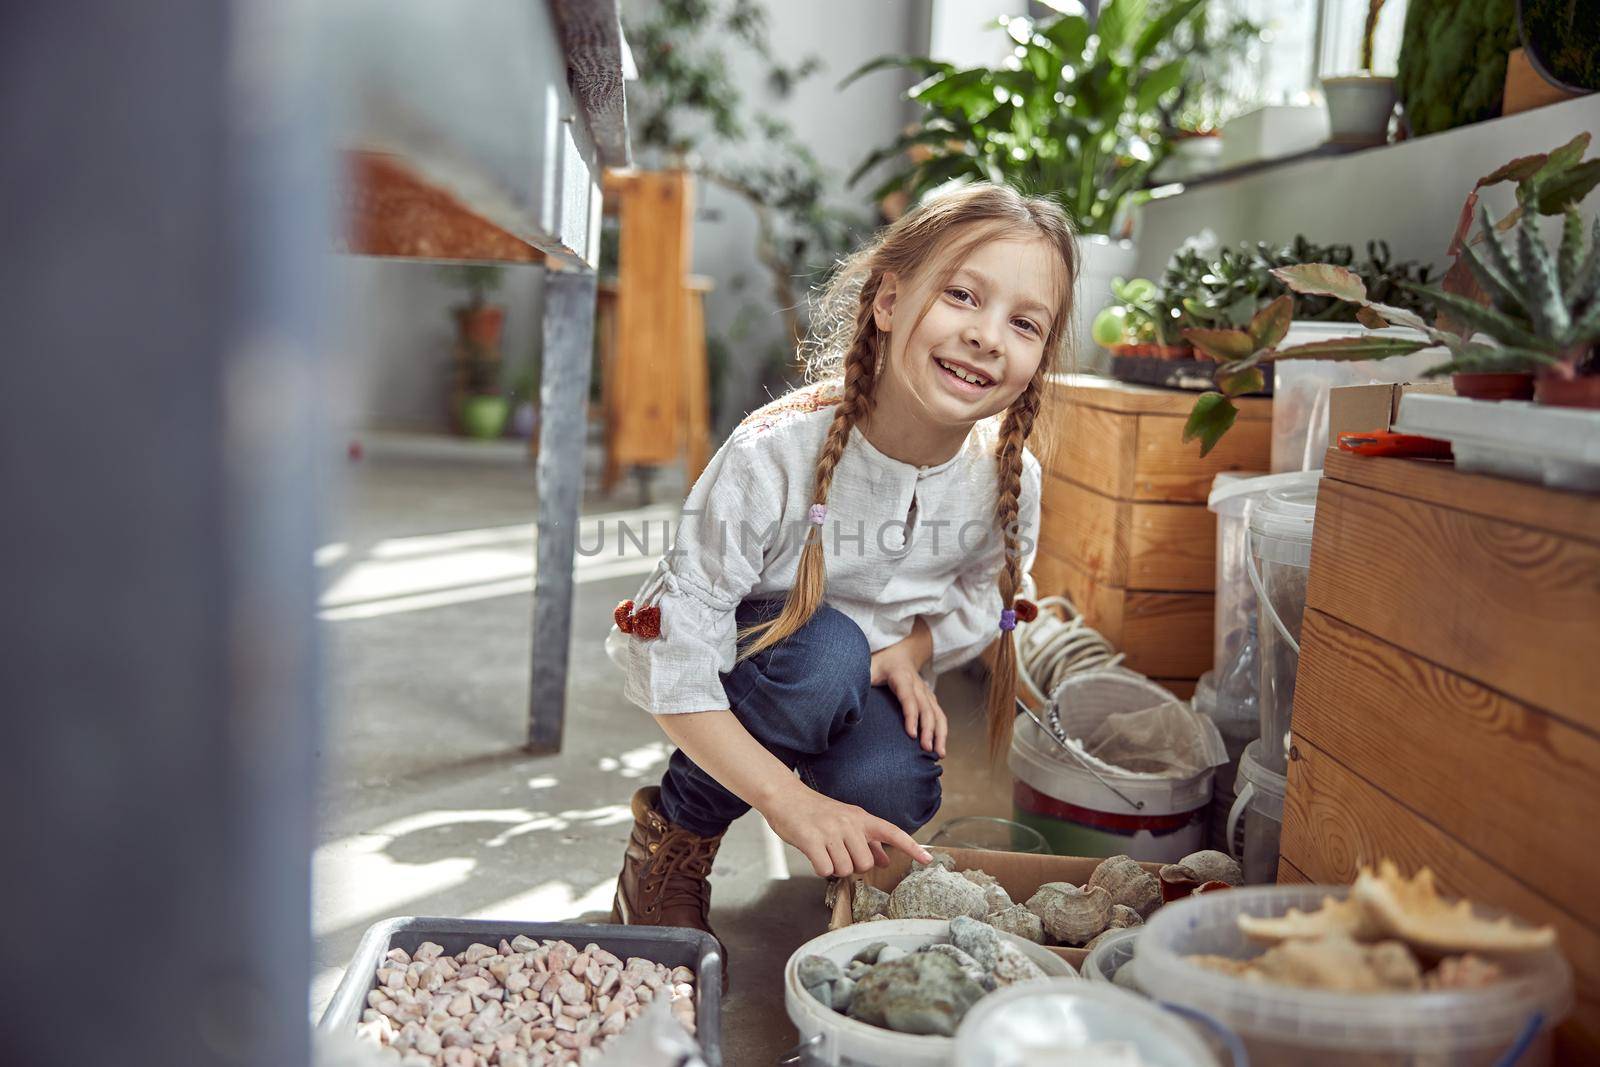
[1447, 708]
[1125, 530]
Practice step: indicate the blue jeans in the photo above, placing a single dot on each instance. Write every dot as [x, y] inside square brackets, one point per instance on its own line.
[809, 701]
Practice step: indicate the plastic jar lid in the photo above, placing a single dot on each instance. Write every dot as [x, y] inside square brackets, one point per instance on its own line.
[1270, 785]
[1231, 493]
[1281, 525]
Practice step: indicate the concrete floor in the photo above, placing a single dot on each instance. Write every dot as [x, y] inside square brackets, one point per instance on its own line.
[428, 805]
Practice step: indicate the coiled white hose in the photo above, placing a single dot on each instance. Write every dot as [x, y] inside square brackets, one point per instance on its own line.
[1052, 647]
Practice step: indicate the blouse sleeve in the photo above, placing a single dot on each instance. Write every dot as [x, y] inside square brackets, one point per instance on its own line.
[969, 616]
[729, 521]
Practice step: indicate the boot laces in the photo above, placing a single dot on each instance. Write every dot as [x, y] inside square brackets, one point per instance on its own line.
[684, 864]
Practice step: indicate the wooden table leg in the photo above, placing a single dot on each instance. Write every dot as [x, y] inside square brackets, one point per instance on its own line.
[563, 394]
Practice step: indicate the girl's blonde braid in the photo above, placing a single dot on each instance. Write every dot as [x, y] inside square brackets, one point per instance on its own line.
[1014, 431]
[860, 376]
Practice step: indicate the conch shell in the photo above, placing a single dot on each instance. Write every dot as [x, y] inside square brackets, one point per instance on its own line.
[1413, 911]
[1071, 914]
[1128, 883]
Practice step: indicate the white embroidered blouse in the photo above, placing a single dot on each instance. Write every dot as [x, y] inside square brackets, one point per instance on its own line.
[899, 541]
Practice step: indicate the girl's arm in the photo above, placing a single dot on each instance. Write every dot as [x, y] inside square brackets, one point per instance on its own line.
[837, 838]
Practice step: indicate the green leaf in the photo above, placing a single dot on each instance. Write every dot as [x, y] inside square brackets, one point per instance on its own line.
[1224, 346]
[1492, 321]
[1069, 34]
[1116, 23]
[1161, 28]
[1241, 381]
[1568, 188]
[1212, 416]
[1353, 348]
[1560, 161]
[1585, 287]
[937, 134]
[1323, 279]
[1501, 290]
[917, 64]
[1499, 257]
[1547, 307]
[1270, 325]
[1518, 170]
[1571, 247]
[1478, 358]
[1158, 83]
[1398, 316]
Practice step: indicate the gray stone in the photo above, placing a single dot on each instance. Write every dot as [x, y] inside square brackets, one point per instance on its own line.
[993, 892]
[843, 993]
[1003, 962]
[869, 953]
[925, 993]
[969, 966]
[856, 970]
[815, 970]
[890, 953]
[935, 893]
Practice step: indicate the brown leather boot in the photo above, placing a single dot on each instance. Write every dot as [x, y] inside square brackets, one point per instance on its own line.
[664, 872]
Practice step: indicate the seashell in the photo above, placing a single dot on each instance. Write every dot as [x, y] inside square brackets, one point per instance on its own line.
[1207, 865]
[1128, 883]
[1071, 914]
[1018, 920]
[1122, 917]
[934, 892]
[867, 901]
[1339, 964]
[1413, 911]
[994, 893]
[1343, 918]
[1464, 972]
[940, 858]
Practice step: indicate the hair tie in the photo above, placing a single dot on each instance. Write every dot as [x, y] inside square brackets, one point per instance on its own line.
[1026, 610]
[819, 514]
[1008, 620]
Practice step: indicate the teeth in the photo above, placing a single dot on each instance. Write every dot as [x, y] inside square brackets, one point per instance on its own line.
[965, 376]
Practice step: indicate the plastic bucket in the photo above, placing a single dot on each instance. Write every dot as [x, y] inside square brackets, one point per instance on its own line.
[1279, 564]
[829, 1039]
[1259, 807]
[1064, 1019]
[1313, 1028]
[1111, 960]
[1086, 813]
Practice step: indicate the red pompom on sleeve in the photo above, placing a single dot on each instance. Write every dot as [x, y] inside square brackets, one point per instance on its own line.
[623, 616]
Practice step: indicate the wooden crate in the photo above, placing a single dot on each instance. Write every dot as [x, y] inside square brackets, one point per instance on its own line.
[1125, 533]
[1445, 710]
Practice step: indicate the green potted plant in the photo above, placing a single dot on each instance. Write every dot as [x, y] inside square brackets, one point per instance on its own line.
[1218, 84]
[483, 407]
[1359, 105]
[1079, 111]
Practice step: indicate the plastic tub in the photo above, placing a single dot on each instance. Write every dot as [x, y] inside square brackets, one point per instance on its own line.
[1280, 562]
[671, 945]
[1112, 959]
[1064, 1019]
[1239, 725]
[1235, 640]
[1259, 806]
[1301, 387]
[835, 1040]
[1558, 447]
[1312, 1028]
[1160, 820]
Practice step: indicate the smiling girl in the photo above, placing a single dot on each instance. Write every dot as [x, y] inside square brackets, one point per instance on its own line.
[849, 542]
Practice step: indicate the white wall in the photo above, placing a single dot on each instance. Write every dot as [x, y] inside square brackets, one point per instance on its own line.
[1409, 194]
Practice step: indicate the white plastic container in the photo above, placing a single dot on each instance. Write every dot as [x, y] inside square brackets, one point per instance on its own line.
[1557, 447]
[1076, 810]
[1314, 1028]
[1255, 822]
[829, 1039]
[1111, 960]
[1300, 388]
[1071, 1021]
[1279, 563]
[1272, 131]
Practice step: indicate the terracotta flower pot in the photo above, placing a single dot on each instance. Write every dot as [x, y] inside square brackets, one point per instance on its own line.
[1581, 392]
[480, 325]
[1515, 385]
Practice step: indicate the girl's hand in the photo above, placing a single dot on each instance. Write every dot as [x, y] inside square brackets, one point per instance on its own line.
[838, 839]
[924, 717]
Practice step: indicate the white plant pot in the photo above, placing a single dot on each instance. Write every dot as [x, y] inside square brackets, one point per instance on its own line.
[1271, 131]
[1359, 107]
[1100, 260]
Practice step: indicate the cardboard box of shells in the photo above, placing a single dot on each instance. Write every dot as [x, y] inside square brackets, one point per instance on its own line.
[1062, 902]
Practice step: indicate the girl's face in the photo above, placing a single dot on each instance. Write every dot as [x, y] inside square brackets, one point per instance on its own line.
[983, 335]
